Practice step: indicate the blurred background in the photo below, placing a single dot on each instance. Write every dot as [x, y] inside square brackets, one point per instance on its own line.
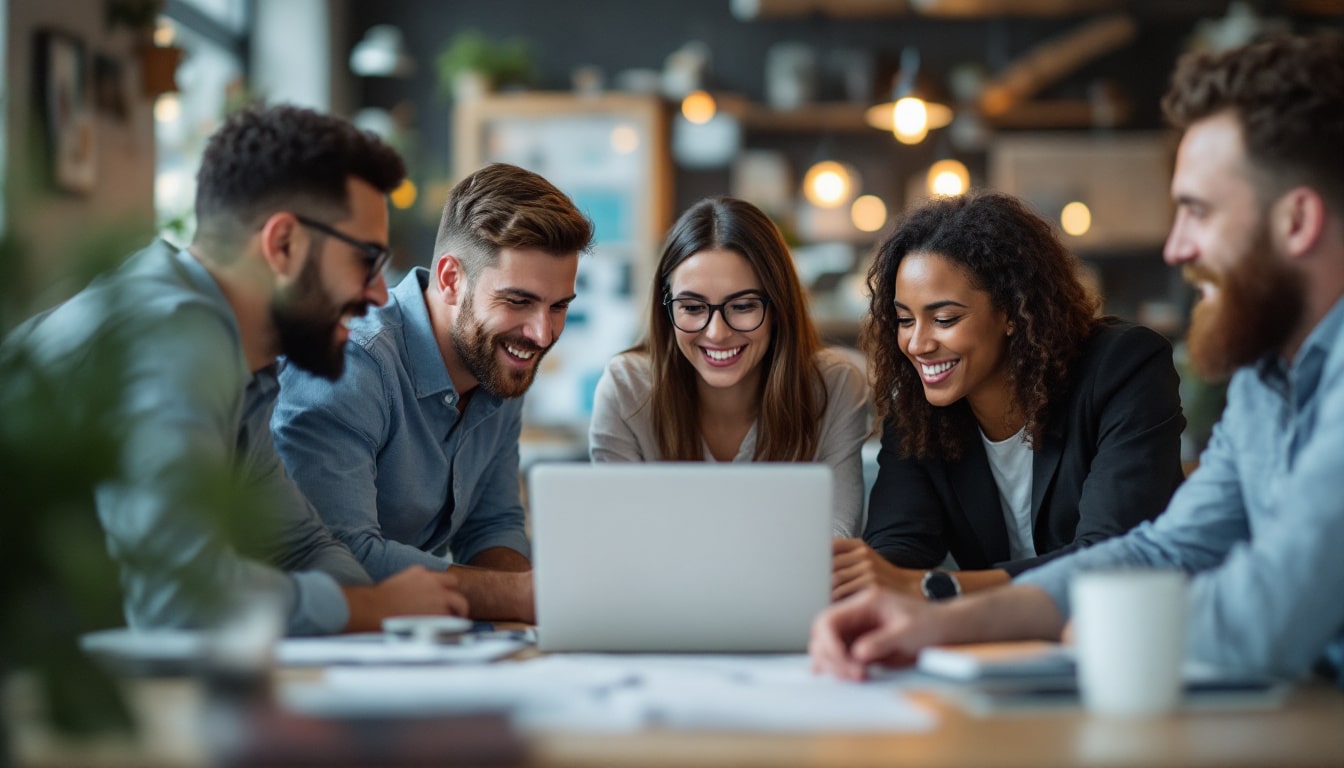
[832, 115]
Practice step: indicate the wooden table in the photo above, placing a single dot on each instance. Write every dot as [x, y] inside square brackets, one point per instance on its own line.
[1308, 730]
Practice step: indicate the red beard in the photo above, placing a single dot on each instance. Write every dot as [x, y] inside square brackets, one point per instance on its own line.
[1257, 306]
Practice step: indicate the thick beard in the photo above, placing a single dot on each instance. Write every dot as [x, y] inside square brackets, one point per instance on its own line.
[476, 349]
[1258, 305]
[305, 320]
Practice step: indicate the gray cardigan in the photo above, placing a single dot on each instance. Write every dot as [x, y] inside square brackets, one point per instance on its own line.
[622, 427]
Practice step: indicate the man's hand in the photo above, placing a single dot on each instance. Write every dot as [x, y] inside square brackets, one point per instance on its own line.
[873, 627]
[497, 595]
[855, 566]
[416, 591]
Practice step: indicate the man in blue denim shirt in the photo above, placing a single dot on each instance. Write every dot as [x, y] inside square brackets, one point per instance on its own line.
[291, 211]
[412, 457]
[1260, 230]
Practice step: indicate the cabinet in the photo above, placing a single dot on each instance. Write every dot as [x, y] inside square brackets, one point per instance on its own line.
[609, 153]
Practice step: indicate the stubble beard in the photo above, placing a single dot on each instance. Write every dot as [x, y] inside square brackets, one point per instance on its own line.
[476, 349]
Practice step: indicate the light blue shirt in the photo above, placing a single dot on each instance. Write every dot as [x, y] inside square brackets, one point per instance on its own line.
[193, 407]
[393, 468]
[1260, 524]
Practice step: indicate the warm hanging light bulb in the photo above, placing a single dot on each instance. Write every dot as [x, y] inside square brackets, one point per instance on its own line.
[698, 107]
[1076, 218]
[948, 178]
[910, 120]
[868, 213]
[829, 184]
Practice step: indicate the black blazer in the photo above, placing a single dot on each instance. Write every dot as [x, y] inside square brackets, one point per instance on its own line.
[1110, 459]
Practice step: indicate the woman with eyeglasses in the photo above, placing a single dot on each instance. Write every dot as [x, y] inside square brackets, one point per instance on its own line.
[1018, 425]
[732, 368]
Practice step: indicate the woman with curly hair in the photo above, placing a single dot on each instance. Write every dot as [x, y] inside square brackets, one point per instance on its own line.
[732, 368]
[1017, 424]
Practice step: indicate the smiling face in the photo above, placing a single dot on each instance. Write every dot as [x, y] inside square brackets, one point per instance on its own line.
[953, 335]
[311, 314]
[509, 317]
[726, 359]
[1250, 301]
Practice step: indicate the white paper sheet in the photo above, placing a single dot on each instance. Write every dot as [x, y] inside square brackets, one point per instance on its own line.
[599, 692]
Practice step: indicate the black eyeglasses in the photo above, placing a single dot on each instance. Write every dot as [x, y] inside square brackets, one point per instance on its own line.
[743, 314]
[375, 256]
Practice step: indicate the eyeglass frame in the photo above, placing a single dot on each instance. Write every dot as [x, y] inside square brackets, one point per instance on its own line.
[375, 255]
[669, 300]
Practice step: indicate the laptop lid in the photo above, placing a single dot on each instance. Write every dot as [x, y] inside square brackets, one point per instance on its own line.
[679, 556]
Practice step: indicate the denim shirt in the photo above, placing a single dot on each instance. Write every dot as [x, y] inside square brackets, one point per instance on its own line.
[193, 405]
[393, 468]
[1260, 525]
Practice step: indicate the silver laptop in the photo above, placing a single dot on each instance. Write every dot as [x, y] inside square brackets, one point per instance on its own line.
[679, 556]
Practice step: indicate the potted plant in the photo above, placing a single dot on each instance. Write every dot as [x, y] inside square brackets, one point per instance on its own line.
[473, 64]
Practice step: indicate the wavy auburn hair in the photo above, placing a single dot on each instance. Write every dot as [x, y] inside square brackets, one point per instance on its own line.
[1012, 254]
[792, 396]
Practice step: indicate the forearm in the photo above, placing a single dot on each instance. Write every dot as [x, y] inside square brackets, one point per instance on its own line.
[501, 559]
[384, 558]
[1016, 612]
[497, 595]
[978, 581]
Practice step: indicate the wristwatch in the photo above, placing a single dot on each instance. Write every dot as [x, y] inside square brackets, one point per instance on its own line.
[939, 585]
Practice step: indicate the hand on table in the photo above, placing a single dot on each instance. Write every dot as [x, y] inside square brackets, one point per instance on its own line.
[416, 591]
[874, 626]
[855, 566]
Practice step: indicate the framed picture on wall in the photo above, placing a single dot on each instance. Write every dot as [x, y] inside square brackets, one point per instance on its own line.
[63, 102]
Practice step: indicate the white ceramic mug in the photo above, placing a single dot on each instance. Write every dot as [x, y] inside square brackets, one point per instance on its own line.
[1129, 636]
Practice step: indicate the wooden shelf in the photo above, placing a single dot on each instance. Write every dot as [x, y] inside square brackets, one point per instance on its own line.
[821, 116]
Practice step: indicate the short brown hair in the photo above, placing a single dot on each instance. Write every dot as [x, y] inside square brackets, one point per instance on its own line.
[504, 206]
[1288, 95]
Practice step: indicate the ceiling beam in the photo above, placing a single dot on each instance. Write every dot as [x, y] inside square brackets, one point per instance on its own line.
[1053, 60]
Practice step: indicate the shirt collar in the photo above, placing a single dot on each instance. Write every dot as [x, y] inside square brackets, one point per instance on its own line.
[204, 282]
[1304, 372]
[429, 375]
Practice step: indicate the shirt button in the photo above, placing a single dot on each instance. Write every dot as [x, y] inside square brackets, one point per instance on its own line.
[450, 399]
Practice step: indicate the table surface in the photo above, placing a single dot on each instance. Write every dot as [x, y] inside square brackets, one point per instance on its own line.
[1307, 730]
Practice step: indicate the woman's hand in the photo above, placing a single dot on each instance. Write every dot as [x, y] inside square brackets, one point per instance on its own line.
[855, 566]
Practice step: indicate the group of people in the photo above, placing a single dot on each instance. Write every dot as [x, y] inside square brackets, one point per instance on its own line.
[1024, 437]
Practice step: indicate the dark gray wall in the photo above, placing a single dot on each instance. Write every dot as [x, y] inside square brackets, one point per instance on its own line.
[620, 34]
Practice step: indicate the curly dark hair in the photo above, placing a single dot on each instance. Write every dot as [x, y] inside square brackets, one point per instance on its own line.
[265, 159]
[1012, 254]
[1288, 95]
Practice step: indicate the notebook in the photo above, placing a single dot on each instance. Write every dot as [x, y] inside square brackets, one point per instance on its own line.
[677, 557]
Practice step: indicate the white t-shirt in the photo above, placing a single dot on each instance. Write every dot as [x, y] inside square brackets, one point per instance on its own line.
[1010, 461]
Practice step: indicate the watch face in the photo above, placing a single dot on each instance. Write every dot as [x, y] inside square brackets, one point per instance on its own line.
[939, 585]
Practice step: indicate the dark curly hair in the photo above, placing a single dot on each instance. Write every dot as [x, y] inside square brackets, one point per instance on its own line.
[1288, 95]
[265, 159]
[1012, 254]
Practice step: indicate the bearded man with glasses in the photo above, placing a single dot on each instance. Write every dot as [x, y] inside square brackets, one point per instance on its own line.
[291, 210]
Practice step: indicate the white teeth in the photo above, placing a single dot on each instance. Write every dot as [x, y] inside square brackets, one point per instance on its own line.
[520, 353]
[723, 354]
[934, 370]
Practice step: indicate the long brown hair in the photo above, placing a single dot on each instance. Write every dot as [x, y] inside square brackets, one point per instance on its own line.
[1012, 254]
[792, 397]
